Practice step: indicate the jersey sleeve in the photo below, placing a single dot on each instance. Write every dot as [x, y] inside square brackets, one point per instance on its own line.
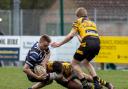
[75, 24]
[32, 58]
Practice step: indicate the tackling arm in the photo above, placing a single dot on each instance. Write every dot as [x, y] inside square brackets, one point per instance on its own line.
[69, 36]
[79, 38]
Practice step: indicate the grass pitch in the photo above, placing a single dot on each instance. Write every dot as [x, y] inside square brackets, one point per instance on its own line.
[14, 78]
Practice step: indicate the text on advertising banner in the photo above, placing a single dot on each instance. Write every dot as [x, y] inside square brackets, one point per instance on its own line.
[114, 49]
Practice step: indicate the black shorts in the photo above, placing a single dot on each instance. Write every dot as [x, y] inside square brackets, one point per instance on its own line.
[88, 49]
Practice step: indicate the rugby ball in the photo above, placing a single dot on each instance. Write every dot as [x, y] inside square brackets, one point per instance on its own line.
[39, 70]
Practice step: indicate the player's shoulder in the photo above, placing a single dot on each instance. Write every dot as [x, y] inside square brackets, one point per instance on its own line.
[78, 20]
[66, 64]
[50, 63]
[76, 23]
[35, 45]
[33, 54]
[91, 21]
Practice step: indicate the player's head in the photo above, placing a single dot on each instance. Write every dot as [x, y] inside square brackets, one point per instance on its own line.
[81, 12]
[57, 67]
[44, 42]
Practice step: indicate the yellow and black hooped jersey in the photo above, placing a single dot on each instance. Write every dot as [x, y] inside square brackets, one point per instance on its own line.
[85, 27]
[67, 70]
[50, 66]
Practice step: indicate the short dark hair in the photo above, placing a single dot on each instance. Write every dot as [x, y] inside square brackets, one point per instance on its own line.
[45, 37]
[57, 67]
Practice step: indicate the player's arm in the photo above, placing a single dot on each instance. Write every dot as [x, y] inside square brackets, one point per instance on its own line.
[32, 58]
[66, 39]
[73, 32]
[79, 38]
[28, 71]
[69, 36]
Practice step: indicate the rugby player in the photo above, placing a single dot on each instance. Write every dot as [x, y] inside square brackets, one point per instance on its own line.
[65, 69]
[88, 49]
[38, 55]
[70, 79]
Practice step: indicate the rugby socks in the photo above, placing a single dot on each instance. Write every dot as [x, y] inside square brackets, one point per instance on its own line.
[83, 81]
[96, 82]
[101, 81]
[95, 78]
[85, 84]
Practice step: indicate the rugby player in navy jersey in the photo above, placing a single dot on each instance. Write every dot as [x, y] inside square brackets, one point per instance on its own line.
[39, 54]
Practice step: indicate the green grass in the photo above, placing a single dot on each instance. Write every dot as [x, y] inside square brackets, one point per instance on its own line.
[14, 78]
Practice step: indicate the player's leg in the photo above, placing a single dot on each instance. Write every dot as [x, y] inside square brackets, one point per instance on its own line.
[69, 84]
[79, 72]
[101, 81]
[93, 73]
[39, 85]
[62, 82]
[74, 85]
[78, 57]
[88, 77]
[89, 67]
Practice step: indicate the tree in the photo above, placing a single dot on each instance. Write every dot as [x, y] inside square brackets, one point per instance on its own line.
[27, 4]
[36, 4]
[5, 4]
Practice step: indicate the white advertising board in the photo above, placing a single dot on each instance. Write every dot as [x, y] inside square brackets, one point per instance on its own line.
[26, 43]
[9, 48]
[9, 41]
[66, 51]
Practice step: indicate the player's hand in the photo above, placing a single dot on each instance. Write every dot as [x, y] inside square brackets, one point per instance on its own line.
[42, 77]
[55, 44]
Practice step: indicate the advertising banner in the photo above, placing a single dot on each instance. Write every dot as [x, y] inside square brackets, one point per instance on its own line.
[9, 48]
[114, 49]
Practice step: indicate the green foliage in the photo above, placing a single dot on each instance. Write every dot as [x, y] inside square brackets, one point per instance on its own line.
[27, 4]
[5, 4]
[36, 4]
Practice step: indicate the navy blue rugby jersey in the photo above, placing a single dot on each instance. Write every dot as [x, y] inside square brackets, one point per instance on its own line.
[35, 56]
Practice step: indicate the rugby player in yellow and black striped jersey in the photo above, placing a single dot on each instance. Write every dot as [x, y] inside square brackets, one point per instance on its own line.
[65, 69]
[89, 48]
[52, 67]
[71, 78]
